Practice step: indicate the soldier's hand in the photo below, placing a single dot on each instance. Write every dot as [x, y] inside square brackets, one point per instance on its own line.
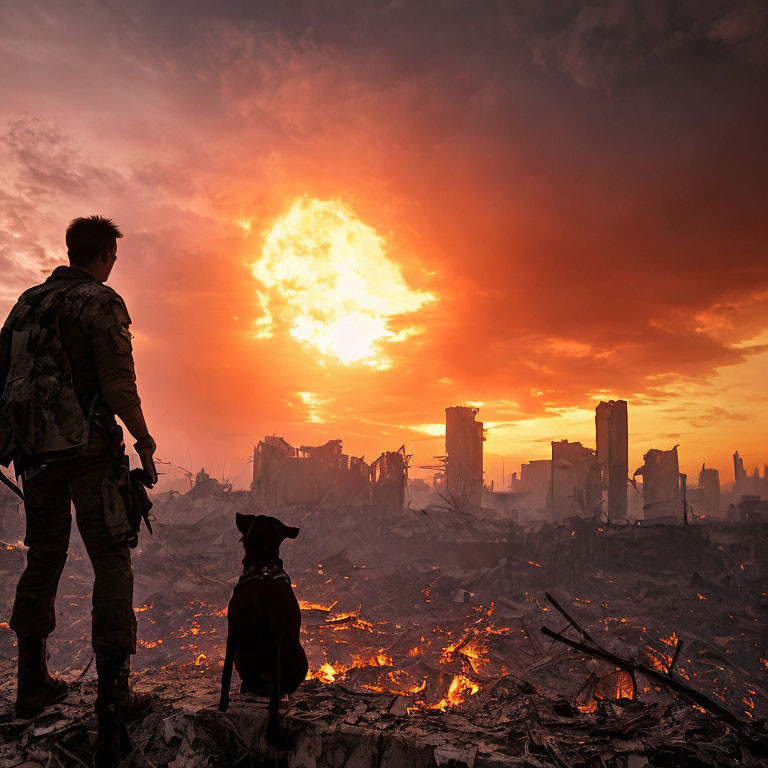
[146, 448]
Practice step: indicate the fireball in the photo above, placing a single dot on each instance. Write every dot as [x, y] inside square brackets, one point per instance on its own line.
[326, 277]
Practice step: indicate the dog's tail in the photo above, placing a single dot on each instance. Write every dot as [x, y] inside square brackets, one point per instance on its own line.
[226, 673]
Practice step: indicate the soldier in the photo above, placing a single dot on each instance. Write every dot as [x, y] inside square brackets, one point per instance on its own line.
[66, 371]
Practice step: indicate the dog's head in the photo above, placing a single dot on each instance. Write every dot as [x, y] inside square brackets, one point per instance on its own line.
[262, 536]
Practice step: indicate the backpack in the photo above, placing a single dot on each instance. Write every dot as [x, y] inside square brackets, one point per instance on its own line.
[39, 410]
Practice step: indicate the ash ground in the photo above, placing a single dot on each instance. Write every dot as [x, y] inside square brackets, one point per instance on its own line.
[423, 636]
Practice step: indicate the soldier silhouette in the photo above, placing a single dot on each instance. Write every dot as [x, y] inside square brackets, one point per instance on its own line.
[66, 371]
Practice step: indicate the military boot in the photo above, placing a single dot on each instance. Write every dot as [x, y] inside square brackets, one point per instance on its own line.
[36, 689]
[113, 742]
[133, 705]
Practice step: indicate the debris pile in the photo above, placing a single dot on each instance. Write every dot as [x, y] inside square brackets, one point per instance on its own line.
[423, 630]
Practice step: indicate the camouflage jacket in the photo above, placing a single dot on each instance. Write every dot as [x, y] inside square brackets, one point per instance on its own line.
[65, 350]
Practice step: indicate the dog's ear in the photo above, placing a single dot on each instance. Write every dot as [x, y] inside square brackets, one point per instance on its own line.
[243, 522]
[285, 531]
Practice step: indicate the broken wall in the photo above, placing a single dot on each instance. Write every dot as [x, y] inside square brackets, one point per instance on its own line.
[661, 486]
[575, 481]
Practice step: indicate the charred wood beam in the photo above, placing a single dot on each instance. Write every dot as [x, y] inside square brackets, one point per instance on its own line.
[697, 697]
[570, 619]
[678, 648]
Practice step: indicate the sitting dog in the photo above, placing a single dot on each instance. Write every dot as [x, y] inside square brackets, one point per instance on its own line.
[264, 620]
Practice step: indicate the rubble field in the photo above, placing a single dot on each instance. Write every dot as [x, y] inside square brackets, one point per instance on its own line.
[423, 630]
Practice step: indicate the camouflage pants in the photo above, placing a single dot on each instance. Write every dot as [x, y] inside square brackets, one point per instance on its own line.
[91, 482]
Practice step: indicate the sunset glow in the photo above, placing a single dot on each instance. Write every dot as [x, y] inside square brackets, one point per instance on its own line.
[339, 229]
[329, 281]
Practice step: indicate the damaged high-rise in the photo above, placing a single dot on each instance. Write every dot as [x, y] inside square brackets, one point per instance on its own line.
[463, 456]
[612, 454]
[709, 482]
[748, 485]
[662, 490]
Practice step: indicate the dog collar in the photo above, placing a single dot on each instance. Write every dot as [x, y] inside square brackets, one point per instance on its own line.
[264, 570]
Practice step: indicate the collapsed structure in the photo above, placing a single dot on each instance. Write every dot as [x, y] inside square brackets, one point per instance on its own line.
[661, 485]
[574, 485]
[580, 481]
[464, 439]
[748, 485]
[326, 476]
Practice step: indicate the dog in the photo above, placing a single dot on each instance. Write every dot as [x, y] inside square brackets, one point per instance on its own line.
[263, 621]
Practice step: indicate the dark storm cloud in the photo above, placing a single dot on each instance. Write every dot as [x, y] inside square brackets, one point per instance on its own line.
[594, 43]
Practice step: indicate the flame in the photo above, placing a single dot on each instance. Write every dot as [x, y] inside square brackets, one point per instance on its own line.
[379, 659]
[327, 673]
[150, 643]
[414, 651]
[305, 605]
[344, 616]
[460, 689]
[201, 659]
[671, 640]
[475, 653]
[327, 277]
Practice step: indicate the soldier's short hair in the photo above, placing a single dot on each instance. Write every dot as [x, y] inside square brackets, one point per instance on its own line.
[88, 236]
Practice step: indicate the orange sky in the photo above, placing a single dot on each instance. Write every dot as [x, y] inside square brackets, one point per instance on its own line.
[581, 192]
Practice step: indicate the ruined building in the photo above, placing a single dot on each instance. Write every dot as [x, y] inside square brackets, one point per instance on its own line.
[324, 475]
[613, 454]
[662, 491]
[463, 456]
[709, 482]
[574, 487]
[387, 479]
[748, 485]
[534, 480]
